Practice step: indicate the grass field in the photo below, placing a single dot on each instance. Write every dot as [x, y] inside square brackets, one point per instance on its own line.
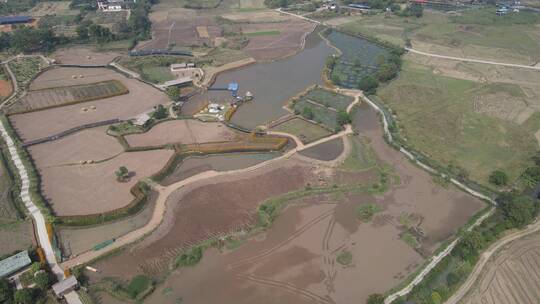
[54, 97]
[437, 116]
[306, 131]
[361, 157]
[477, 33]
[329, 98]
[8, 212]
[156, 74]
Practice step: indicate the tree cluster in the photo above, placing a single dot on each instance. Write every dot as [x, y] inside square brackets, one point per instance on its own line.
[27, 39]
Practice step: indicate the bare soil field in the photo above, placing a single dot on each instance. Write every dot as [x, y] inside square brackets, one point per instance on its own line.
[183, 131]
[182, 32]
[16, 236]
[203, 209]
[5, 88]
[77, 240]
[288, 41]
[83, 56]
[225, 162]
[87, 145]
[325, 151]
[258, 16]
[94, 185]
[55, 97]
[511, 275]
[141, 98]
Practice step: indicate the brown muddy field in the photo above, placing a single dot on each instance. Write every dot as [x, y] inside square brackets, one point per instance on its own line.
[225, 162]
[83, 56]
[89, 144]
[286, 43]
[326, 151]
[511, 276]
[5, 88]
[93, 188]
[206, 208]
[185, 131]
[295, 261]
[77, 240]
[141, 98]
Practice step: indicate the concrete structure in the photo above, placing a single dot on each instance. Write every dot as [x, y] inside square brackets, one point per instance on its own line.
[177, 82]
[64, 287]
[141, 119]
[14, 263]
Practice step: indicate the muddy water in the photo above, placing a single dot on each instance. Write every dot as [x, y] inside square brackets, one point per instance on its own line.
[326, 151]
[275, 82]
[195, 165]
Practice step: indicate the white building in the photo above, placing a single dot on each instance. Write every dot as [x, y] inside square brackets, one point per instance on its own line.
[114, 5]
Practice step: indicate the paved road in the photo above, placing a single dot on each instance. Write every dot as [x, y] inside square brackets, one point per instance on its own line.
[485, 257]
[474, 60]
[39, 219]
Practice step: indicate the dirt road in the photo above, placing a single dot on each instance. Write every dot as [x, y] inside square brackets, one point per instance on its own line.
[474, 60]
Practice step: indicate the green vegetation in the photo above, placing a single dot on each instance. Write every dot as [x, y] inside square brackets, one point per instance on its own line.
[138, 286]
[361, 157]
[514, 210]
[156, 74]
[345, 258]
[14, 7]
[154, 69]
[190, 257]
[375, 298]
[498, 178]
[328, 98]
[305, 130]
[122, 174]
[436, 117]
[408, 238]
[160, 112]
[263, 33]
[365, 212]
[368, 84]
[26, 68]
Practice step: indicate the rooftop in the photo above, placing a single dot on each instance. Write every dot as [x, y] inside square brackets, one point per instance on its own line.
[14, 19]
[14, 263]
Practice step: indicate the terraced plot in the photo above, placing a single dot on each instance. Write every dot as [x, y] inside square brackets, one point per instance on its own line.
[305, 130]
[61, 96]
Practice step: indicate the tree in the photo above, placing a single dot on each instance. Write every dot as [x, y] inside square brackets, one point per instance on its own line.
[307, 112]
[42, 280]
[26, 39]
[387, 71]
[23, 296]
[375, 298]
[5, 291]
[368, 84]
[35, 267]
[82, 32]
[469, 245]
[122, 174]
[517, 210]
[416, 10]
[160, 112]
[498, 178]
[343, 118]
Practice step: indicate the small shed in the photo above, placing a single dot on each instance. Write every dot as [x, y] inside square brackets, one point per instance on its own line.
[14, 263]
[65, 286]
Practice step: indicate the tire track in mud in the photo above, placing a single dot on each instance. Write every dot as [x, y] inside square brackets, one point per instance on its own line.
[328, 264]
[265, 253]
[315, 298]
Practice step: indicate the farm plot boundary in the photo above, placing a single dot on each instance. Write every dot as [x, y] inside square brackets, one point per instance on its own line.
[62, 96]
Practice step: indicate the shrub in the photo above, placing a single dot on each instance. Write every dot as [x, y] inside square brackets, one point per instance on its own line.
[366, 212]
[189, 257]
[344, 258]
[498, 178]
[368, 84]
[375, 298]
[138, 285]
